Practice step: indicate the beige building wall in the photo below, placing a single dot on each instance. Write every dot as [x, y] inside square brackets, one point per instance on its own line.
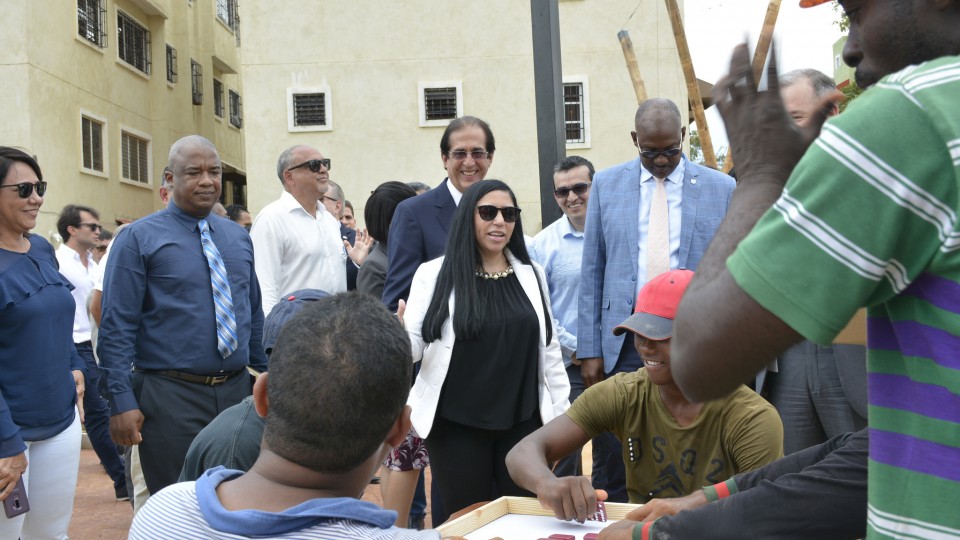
[371, 57]
[52, 76]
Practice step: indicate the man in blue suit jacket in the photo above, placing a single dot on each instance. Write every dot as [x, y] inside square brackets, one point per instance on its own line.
[418, 232]
[420, 226]
[615, 250]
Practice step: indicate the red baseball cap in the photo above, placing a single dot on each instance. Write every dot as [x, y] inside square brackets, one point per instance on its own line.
[811, 3]
[657, 306]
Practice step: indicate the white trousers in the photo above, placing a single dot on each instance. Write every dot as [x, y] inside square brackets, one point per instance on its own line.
[51, 481]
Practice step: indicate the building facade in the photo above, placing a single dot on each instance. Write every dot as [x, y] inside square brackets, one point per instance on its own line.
[372, 85]
[98, 90]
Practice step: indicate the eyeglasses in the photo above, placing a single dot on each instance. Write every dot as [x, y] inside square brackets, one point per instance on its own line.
[100, 248]
[314, 165]
[24, 189]
[652, 154]
[488, 212]
[92, 226]
[331, 199]
[460, 155]
[578, 189]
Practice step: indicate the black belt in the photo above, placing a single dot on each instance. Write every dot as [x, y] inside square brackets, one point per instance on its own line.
[209, 380]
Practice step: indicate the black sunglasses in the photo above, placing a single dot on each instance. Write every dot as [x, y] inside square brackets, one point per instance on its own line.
[314, 165]
[488, 212]
[652, 154]
[92, 226]
[579, 189]
[24, 189]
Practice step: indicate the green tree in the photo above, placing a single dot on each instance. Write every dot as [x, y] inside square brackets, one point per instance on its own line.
[850, 93]
[696, 151]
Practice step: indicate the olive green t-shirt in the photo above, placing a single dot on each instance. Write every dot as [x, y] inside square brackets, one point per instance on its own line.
[739, 433]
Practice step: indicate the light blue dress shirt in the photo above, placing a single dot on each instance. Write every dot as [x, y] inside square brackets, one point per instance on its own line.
[674, 185]
[558, 249]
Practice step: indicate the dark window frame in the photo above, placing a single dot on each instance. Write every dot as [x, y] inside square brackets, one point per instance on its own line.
[171, 64]
[440, 103]
[92, 21]
[574, 121]
[218, 108]
[310, 109]
[92, 142]
[133, 43]
[134, 170]
[196, 81]
[236, 109]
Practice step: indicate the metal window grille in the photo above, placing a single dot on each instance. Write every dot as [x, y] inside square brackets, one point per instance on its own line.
[236, 109]
[440, 103]
[218, 98]
[171, 64]
[134, 152]
[573, 112]
[196, 81]
[310, 109]
[92, 21]
[133, 42]
[92, 140]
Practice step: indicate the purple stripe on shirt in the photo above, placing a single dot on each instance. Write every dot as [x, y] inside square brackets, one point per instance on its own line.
[918, 455]
[914, 339]
[941, 292]
[902, 393]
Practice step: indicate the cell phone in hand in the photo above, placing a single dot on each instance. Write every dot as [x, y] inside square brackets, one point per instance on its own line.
[16, 503]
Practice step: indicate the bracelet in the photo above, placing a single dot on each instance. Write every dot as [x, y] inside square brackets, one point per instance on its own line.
[643, 531]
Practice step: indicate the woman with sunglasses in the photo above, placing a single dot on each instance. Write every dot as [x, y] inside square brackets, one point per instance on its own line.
[41, 384]
[479, 319]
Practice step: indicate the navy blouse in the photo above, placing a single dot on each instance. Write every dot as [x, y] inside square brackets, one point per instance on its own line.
[37, 354]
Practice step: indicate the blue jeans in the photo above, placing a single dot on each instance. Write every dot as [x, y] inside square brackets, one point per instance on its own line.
[96, 413]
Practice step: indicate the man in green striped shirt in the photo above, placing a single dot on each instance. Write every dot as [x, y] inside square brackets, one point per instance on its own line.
[869, 217]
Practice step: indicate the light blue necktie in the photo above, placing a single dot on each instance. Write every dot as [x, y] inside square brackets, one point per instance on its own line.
[222, 299]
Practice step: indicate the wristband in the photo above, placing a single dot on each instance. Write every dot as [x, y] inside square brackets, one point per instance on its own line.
[643, 531]
[721, 490]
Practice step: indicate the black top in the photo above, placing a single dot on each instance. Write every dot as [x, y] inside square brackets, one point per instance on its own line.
[492, 381]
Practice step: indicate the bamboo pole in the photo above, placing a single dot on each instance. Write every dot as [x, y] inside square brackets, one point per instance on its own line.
[766, 36]
[693, 89]
[759, 57]
[631, 57]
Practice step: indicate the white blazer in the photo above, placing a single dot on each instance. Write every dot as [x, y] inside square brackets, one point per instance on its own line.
[552, 383]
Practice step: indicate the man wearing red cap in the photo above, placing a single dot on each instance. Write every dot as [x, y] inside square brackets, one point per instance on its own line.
[868, 217]
[671, 446]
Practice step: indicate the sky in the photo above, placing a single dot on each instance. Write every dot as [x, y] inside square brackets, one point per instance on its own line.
[804, 39]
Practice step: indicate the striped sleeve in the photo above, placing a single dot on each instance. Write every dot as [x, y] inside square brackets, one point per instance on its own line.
[858, 221]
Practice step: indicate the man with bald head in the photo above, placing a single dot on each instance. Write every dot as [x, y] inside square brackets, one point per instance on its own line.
[181, 306]
[297, 241]
[654, 213]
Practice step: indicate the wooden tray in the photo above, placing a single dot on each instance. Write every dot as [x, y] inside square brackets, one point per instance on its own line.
[527, 506]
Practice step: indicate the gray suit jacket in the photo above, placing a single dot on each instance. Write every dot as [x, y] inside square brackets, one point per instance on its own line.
[611, 249]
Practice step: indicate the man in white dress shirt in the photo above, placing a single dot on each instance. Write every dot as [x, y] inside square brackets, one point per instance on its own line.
[296, 241]
[79, 226]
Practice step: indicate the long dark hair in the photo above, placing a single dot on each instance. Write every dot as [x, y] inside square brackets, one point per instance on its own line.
[457, 274]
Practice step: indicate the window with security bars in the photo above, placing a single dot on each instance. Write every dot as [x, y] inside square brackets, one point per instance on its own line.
[227, 12]
[573, 112]
[440, 103]
[196, 81]
[171, 64]
[236, 109]
[92, 21]
[133, 42]
[91, 137]
[134, 154]
[309, 109]
[218, 98]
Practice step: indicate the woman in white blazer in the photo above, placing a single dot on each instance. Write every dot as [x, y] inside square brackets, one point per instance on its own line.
[479, 319]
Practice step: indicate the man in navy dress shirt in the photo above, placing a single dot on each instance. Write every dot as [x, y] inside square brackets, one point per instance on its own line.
[158, 319]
